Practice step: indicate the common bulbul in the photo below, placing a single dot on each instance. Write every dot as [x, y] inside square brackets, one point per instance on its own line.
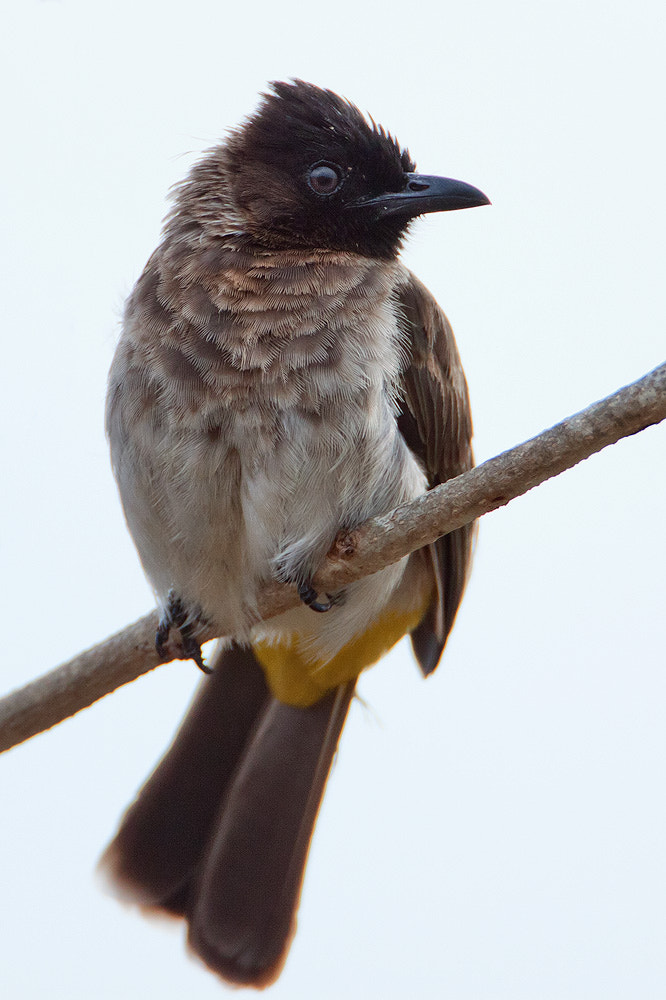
[281, 376]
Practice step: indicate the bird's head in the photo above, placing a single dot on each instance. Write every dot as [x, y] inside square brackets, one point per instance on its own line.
[308, 171]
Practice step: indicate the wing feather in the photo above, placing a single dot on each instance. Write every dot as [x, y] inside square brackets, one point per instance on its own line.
[436, 423]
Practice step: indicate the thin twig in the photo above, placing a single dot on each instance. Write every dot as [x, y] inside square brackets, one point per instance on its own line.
[377, 543]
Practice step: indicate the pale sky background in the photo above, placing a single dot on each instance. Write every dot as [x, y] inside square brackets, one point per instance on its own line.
[497, 831]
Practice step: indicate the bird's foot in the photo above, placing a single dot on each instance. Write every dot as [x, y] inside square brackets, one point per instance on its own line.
[176, 617]
[309, 596]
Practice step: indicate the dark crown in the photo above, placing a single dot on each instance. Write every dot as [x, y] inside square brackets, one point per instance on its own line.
[270, 159]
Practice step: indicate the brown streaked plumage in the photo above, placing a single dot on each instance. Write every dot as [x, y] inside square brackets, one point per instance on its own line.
[280, 376]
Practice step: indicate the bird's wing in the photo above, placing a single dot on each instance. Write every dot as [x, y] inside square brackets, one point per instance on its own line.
[436, 424]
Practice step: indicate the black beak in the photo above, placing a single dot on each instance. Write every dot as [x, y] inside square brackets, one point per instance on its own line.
[422, 194]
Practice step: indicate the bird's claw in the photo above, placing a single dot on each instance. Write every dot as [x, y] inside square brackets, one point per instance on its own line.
[309, 596]
[176, 617]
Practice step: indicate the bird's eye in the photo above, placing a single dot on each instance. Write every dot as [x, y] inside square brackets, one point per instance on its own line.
[324, 178]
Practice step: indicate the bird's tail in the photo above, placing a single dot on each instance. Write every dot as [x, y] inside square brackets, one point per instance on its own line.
[220, 832]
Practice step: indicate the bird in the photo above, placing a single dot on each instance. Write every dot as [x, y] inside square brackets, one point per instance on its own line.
[280, 378]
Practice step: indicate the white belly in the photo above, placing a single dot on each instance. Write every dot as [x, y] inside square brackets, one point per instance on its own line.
[249, 470]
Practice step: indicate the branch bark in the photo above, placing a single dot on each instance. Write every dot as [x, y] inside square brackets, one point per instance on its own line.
[377, 543]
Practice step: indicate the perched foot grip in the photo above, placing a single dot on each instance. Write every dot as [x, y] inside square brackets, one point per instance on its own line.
[309, 596]
[175, 616]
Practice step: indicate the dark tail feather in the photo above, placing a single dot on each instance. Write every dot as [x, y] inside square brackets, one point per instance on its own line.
[243, 910]
[164, 833]
[220, 832]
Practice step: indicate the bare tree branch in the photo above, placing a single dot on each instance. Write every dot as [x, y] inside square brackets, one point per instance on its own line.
[379, 542]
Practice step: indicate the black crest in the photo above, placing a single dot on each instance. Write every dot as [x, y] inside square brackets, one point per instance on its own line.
[299, 165]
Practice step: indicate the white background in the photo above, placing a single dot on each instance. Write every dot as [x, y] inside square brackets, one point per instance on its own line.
[497, 831]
